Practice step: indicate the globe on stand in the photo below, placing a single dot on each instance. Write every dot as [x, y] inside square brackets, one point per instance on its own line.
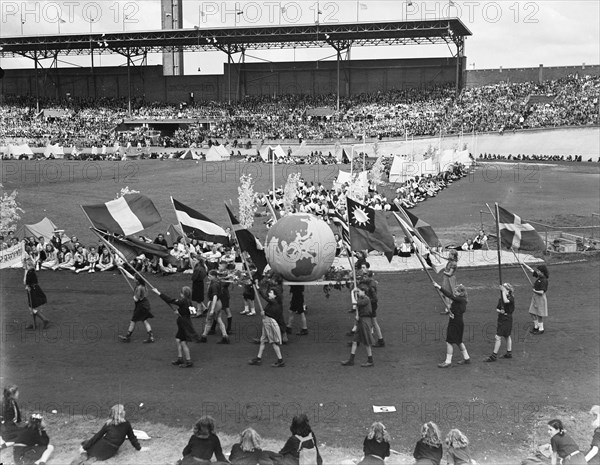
[300, 247]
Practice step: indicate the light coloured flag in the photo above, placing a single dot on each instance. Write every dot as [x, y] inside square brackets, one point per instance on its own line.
[126, 215]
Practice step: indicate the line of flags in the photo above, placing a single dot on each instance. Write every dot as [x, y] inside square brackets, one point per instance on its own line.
[364, 229]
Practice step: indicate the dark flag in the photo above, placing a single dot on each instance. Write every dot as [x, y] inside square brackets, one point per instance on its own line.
[248, 243]
[197, 226]
[369, 229]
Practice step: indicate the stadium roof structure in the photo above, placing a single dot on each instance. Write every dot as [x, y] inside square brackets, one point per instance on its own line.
[235, 40]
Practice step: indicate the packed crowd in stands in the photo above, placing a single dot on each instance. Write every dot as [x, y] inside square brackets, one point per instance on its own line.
[32, 445]
[571, 101]
[534, 157]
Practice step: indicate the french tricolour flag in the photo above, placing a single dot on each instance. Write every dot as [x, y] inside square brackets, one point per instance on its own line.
[126, 215]
[197, 226]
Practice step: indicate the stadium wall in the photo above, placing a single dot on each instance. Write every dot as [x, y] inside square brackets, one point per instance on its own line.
[483, 77]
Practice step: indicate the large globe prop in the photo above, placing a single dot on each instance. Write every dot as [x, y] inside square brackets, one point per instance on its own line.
[301, 247]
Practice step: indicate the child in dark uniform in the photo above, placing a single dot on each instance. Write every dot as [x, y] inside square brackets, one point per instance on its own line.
[456, 325]
[297, 308]
[35, 295]
[203, 444]
[505, 309]
[32, 445]
[106, 442]
[141, 311]
[563, 445]
[364, 332]
[428, 450]
[11, 414]
[376, 445]
[185, 329]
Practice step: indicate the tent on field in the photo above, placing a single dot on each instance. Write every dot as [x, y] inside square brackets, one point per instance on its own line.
[173, 232]
[44, 228]
[54, 150]
[279, 152]
[217, 153]
[189, 154]
[18, 150]
[266, 153]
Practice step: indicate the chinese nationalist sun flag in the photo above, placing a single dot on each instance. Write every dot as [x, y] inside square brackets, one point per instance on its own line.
[126, 215]
[517, 235]
[369, 229]
[197, 226]
[248, 243]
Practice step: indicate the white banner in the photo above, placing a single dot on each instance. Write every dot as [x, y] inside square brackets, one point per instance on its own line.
[12, 257]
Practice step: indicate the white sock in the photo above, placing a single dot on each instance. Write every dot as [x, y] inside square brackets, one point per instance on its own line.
[448, 358]
[246, 308]
[536, 324]
[541, 326]
[465, 354]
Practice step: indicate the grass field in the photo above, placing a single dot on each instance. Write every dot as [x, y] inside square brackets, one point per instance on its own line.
[78, 368]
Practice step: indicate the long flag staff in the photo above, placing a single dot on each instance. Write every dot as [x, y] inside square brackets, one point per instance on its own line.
[256, 293]
[496, 218]
[185, 238]
[423, 264]
[105, 242]
[522, 267]
[115, 253]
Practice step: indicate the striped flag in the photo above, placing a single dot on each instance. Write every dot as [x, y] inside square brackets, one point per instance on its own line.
[130, 247]
[339, 220]
[248, 243]
[516, 234]
[197, 226]
[126, 215]
[420, 247]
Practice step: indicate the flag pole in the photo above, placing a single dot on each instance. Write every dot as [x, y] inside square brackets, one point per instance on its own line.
[273, 175]
[185, 238]
[93, 229]
[256, 293]
[522, 267]
[410, 238]
[497, 219]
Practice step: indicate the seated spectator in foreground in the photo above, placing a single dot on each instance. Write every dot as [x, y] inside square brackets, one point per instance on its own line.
[376, 445]
[32, 445]
[249, 452]
[106, 442]
[65, 259]
[302, 446]
[203, 444]
[11, 424]
[428, 450]
[51, 259]
[457, 452]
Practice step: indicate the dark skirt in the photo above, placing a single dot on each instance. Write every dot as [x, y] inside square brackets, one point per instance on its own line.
[504, 327]
[27, 455]
[364, 331]
[198, 291]
[185, 329]
[454, 333]
[10, 431]
[225, 298]
[248, 293]
[37, 298]
[141, 311]
[102, 450]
